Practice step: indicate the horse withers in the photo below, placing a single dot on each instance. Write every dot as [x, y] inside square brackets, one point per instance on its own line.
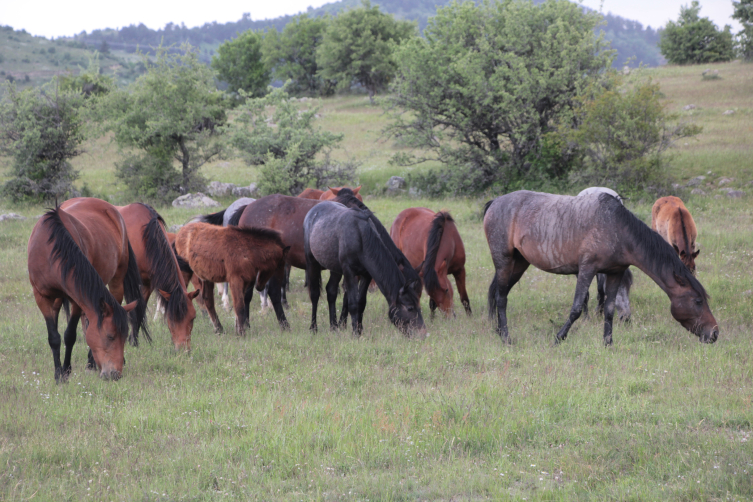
[432, 244]
[242, 257]
[75, 252]
[672, 220]
[585, 236]
[346, 242]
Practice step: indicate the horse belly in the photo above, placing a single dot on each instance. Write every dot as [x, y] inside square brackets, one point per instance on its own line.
[549, 256]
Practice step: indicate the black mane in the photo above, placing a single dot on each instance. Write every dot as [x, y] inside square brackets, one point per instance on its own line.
[486, 206]
[213, 218]
[236, 218]
[261, 233]
[658, 254]
[162, 266]
[431, 280]
[182, 264]
[86, 281]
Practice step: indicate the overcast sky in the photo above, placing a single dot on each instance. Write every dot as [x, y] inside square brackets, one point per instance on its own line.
[55, 18]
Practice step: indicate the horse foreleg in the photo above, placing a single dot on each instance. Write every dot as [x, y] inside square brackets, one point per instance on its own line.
[286, 286]
[612, 285]
[275, 295]
[70, 338]
[462, 292]
[207, 295]
[333, 287]
[585, 277]
[238, 290]
[363, 292]
[351, 291]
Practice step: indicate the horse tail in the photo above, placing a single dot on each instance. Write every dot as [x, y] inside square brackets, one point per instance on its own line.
[236, 218]
[627, 281]
[132, 287]
[214, 218]
[487, 205]
[492, 297]
[431, 280]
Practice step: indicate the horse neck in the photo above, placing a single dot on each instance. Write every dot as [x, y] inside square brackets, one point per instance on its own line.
[638, 257]
[382, 268]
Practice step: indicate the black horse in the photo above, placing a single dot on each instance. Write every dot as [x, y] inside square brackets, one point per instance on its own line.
[347, 243]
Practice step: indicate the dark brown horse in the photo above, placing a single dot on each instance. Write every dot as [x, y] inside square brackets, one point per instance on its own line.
[75, 251]
[586, 235]
[431, 241]
[159, 270]
[242, 257]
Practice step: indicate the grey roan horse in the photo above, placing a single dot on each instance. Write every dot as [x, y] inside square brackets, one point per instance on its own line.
[346, 242]
[585, 236]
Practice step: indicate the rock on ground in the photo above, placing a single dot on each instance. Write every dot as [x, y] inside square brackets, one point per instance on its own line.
[194, 200]
[11, 216]
[697, 191]
[695, 181]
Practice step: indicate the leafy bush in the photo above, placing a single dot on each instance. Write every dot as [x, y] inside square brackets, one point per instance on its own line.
[239, 63]
[695, 40]
[743, 12]
[151, 177]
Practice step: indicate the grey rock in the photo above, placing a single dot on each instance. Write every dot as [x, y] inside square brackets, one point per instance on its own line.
[415, 192]
[695, 181]
[249, 191]
[11, 216]
[688, 107]
[728, 112]
[626, 70]
[194, 200]
[675, 185]
[697, 191]
[395, 182]
[735, 194]
[725, 181]
[219, 189]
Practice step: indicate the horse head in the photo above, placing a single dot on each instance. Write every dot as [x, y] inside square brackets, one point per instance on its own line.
[405, 313]
[690, 307]
[688, 259]
[107, 339]
[181, 329]
[441, 292]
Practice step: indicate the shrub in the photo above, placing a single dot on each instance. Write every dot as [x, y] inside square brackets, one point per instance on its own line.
[695, 40]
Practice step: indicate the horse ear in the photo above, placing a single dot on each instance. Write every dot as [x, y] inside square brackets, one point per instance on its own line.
[193, 294]
[285, 252]
[130, 306]
[680, 280]
[164, 294]
[105, 308]
[683, 254]
[420, 269]
[677, 250]
[356, 189]
[335, 191]
[696, 253]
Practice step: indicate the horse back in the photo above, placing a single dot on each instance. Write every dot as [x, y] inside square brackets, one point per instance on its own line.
[311, 193]
[410, 231]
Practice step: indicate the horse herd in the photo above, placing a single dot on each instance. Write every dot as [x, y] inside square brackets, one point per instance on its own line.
[87, 255]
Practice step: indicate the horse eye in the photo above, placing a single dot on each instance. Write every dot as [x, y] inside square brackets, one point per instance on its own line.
[699, 301]
[410, 309]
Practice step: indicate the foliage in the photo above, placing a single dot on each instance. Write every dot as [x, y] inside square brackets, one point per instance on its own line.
[173, 112]
[485, 85]
[275, 133]
[90, 82]
[623, 131]
[358, 45]
[292, 55]
[695, 40]
[743, 12]
[40, 130]
[239, 63]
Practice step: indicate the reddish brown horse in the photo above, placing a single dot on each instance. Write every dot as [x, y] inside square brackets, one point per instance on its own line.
[242, 257]
[159, 270]
[672, 220]
[74, 251]
[311, 193]
[431, 240]
[314, 194]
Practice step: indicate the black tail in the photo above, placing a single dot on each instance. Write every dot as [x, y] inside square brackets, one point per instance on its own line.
[236, 218]
[214, 218]
[132, 286]
[431, 280]
[486, 206]
[492, 298]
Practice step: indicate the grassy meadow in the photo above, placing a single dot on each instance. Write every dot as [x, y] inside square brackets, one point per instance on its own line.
[294, 416]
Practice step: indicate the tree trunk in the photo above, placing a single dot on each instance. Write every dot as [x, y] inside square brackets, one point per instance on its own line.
[185, 157]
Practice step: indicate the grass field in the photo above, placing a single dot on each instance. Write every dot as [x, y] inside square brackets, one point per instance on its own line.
[458, 416]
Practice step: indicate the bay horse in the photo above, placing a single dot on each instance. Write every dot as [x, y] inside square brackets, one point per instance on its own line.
[243, 257]
[330, 194]
[346, 242]
[672, 220]
[431, 243]
[159, 270]
[585, 236]
[75, 252]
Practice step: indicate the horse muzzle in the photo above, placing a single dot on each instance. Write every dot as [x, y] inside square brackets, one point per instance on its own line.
[113, 375]
[710, 337]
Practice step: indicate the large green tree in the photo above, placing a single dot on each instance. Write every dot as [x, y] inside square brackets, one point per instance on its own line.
[358, 48]
[694, 39]
[41, 129]
[172, 113]
[743, 12]
[488, 81]
[239, 63]
[292, 55]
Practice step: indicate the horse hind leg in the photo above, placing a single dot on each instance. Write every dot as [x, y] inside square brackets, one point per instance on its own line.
[506, 276]
[275, 296]
[333, 287]
[70, 338]
[50, 313]
[585, 277]
[351, 282]
[462, 292]
[612, 286]
[238, 290]
[207, 294]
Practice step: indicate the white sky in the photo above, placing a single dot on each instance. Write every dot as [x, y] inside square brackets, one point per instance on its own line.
[55, 18]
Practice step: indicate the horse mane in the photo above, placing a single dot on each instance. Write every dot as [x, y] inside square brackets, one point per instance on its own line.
[236, 218]
[659, 255]
[162, 266]
[487, 205]
[431, 280]
[213, 218]
[261, 233]
[86, 281]
[182, 264]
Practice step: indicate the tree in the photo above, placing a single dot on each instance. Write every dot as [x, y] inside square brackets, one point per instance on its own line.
[743, 12]
[239, 63]
[292, 55]
[486, 84]
[695, 40]
[41, 129]
[357, 48]
[274, 133]
[90, 82]
[171, 113]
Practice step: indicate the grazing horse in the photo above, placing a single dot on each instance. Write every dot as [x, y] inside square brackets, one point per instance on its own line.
[160, 270]
[585, 236]
[314, 194]
[672, 220]
[346, 242]
[431, 242]
[243, 257]
[622, 302]
[223, 218]
[75, 251]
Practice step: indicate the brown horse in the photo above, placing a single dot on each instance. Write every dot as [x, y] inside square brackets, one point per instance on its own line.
[159, 270]
[311, 193]
[431, 241]
[672, 220]
[330, 194]
[74, 251]
[242, 257]
[586, 235]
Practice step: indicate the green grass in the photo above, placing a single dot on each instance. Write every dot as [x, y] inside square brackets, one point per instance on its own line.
[458, 416]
